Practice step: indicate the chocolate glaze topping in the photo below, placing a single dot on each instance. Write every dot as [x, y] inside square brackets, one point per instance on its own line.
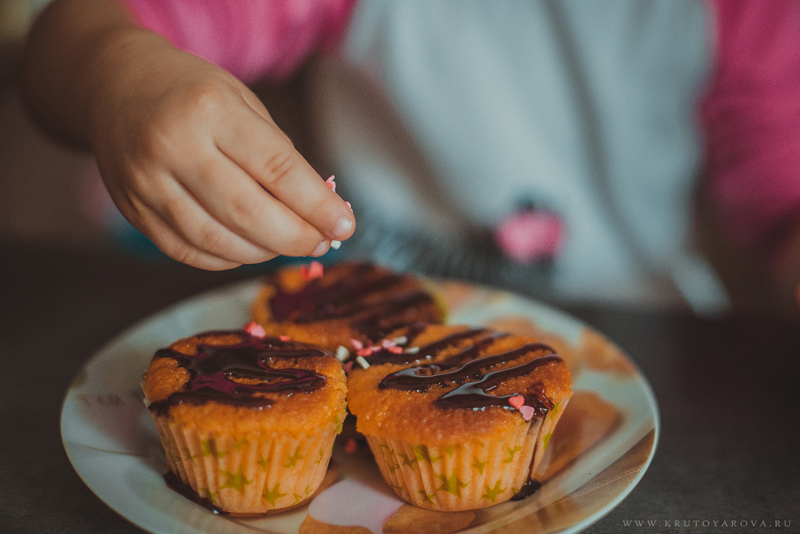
[349, 298]
[213, 368]
[473, 377]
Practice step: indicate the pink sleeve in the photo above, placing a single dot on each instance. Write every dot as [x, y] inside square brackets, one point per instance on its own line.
[252, 39]
[751, 116]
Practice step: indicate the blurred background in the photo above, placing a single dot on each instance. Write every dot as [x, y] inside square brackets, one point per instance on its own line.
[53, 194]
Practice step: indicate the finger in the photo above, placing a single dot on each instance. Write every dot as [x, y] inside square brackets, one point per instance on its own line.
[189, 217]
[150, 223]
[233, 198]
[262, 150]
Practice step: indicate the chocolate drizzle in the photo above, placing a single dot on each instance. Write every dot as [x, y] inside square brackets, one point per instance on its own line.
[176, 484]
[351, 297]
[473, 378]
[530, 487]
[213, 369]
[431, 350]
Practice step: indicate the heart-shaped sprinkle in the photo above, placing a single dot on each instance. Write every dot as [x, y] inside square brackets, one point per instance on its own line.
[312, 271]
[527, 412]
[517, 401]
[255, 330]
[330, 182]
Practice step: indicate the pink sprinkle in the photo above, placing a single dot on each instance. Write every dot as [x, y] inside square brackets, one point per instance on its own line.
[395, 350]
[349, 205]
[356, 344]
[366, 351]
[285, 339]
[351, 446]
[255, 330]
[527, 412]
[330, 183]
[517, 401]
[387, 343]
[348, 367]
[312, 271]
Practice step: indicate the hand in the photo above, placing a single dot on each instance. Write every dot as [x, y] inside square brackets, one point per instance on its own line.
[194, 161]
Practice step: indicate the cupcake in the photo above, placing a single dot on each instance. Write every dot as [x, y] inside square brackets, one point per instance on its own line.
[458, 418]
[247, 421]
[348, 305]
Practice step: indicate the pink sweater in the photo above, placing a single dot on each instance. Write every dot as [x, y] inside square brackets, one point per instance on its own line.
[750, 113]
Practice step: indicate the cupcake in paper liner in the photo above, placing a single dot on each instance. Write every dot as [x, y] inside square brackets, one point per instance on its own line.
[349, 305]
[247, 421]
[458, 418]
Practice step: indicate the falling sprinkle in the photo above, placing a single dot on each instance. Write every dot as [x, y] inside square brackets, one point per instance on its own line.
[331, 183]
[342, 353]
[335, 244]
[362, 362]
[517, 401]
[312, 271]
[255, 330]
[351, 446]
[527, 412]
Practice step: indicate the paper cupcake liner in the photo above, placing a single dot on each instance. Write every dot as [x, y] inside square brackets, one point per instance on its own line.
[464, 476]
[247, 475]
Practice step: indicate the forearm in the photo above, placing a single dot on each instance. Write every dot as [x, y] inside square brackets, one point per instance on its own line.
[75, 49]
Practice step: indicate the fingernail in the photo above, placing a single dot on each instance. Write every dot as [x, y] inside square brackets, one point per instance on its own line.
[343, 228]
[321, 249]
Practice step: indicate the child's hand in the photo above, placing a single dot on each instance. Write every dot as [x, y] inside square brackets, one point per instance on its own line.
[193, 160]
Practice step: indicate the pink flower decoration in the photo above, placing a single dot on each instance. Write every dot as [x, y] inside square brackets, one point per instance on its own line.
[255, 330]
[312, 271]
[530, 235]
[517, 401]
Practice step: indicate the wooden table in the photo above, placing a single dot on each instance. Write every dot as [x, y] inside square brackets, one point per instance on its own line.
[728, 390]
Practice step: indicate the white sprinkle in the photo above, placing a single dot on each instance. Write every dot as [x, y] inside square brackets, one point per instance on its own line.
[411, 350]
[362, 362]
[342, 353]
[335, 244]
[402, 340]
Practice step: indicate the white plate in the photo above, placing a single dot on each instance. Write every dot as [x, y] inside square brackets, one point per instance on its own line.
[600, 450]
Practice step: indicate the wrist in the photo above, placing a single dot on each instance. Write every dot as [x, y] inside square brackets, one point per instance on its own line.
[116, 72]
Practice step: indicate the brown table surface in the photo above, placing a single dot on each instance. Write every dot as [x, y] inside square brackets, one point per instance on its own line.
[728, 391]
